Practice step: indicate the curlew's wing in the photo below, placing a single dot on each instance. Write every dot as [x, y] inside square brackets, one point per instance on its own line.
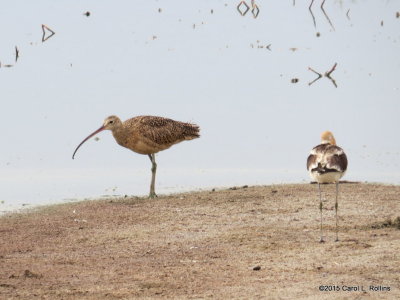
[164, 131]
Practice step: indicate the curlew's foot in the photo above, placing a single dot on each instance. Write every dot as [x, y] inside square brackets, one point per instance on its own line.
[152, 195]
[337, 240]
[321, 240]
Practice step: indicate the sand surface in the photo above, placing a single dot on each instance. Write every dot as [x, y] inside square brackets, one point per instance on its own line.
[258, 242]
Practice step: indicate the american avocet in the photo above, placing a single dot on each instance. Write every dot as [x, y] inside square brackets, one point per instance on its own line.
[327, 163]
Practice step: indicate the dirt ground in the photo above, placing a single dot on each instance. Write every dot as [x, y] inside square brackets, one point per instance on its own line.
[258, 242]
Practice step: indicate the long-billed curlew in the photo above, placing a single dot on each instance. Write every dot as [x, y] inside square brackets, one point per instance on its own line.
[147, 135]
[327, 163]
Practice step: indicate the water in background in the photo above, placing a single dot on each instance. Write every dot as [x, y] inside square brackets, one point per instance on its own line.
[246, 81]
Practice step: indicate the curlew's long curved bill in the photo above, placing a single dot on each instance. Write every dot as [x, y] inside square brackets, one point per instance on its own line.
[94, 133]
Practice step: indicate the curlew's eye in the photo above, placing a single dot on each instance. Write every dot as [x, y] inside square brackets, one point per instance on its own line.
[111, 122]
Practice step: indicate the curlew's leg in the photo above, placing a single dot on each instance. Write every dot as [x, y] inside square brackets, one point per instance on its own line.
[320, 209]
[336, 209]
[153, 175]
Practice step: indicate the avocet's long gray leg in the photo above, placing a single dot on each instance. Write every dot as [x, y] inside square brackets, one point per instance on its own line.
[336, 210]
[320, 209]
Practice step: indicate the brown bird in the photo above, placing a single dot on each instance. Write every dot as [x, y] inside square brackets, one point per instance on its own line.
[147, 135]
[327, 163]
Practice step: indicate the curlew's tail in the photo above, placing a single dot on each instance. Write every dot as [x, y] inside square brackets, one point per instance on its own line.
[191, 131]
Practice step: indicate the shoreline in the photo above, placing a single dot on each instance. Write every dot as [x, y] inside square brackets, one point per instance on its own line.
[28, 207]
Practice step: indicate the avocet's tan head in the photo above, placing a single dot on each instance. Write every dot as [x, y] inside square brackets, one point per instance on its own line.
[110, 123]
[327, 138]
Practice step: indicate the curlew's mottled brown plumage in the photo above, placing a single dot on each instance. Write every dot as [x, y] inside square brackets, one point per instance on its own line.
[327, 163]
[147, 135]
